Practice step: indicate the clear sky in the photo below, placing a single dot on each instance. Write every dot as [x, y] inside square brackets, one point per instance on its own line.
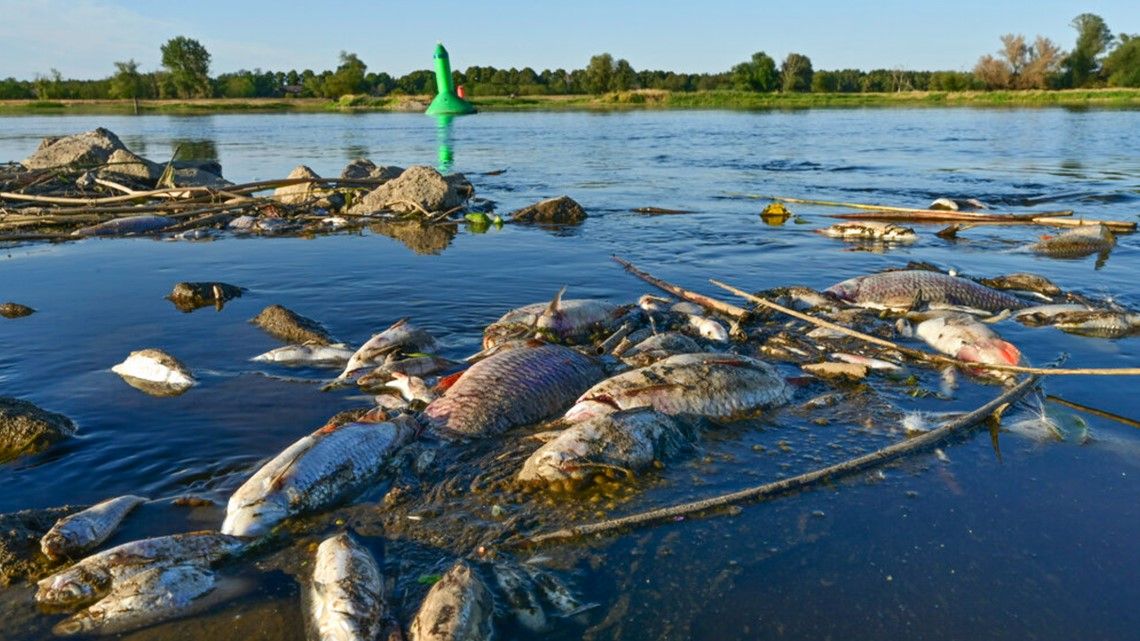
[83, 38]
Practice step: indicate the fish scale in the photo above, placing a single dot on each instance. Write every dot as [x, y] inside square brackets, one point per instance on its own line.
[907, 289]
[347, 591]
[86, 529]
[513, 388]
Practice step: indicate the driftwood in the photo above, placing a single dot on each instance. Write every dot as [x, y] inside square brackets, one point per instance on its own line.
[1092, 410]
[805, 481]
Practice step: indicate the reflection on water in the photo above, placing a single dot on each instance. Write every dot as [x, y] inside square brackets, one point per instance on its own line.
[195, 150]
[443, 135]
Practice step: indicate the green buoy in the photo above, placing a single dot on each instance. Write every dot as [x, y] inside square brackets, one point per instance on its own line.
[446, 100]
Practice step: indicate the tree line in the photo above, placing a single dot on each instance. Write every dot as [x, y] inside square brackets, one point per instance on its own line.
[1098, 59]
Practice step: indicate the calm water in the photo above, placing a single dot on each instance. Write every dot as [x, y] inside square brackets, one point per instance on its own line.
[1039, 544]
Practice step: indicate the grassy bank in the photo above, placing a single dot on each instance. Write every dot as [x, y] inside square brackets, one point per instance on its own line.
[647, 99]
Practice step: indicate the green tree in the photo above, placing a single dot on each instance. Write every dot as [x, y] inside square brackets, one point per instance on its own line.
[825, 82]
[1093, 38]
[758, 74]
[796, 73]
[188, 64]
[127, 81]
[1122, 66]
[12, 89]
[624, 78]
[49, 86]
[348, 77]
[599, 74]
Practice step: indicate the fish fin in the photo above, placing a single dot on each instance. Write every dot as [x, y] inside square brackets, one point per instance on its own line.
[446, 382]
[556, 303]
[399, 323]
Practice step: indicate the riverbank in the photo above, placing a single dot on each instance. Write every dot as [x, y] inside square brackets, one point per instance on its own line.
[649, 99]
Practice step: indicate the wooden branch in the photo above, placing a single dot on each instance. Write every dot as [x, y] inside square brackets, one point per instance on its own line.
[704, 301]
[803, 481]
[987, 219]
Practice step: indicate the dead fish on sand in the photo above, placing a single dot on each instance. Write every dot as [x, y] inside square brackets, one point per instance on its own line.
[571, 320]
[308, 354]
[165, 374]
[458, 607]
[1076, 243]
[401, 336]
[84, 530]
[716, 386]
[347, 600]
[871, 230]
[628, 440]
[314, 473]
[512, 388]
[966, 339]
[909, 289]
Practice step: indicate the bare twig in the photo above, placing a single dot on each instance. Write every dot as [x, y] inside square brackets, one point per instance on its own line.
[1092, 410]
[704, 301]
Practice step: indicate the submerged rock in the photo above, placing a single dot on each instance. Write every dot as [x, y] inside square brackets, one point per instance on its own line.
[27, 429]
[291, 327]
[20, 534]
[15, 310]
[562, 210]
[190, 296]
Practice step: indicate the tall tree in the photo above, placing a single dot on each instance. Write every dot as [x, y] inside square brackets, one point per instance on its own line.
[189, 65]
[1122, 66]
[1042, 65]
[758, 74]
[1093, 38]
[127, 81]
[624, 78]
[796, 73]
[599, 74]
[348, 77]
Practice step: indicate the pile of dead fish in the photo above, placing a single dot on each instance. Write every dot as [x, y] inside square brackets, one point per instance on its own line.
[617, 387]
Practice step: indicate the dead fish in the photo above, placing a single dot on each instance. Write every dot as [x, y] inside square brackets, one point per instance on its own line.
[797, 298]
[518, 590]
[418, 366]
[156, 366]
[1075, 243]
[908, 289]
[512, 388]
[92, 577]
[401, 336]
[871, 230]
[967, 339]
[628, 440]
[572, 321]
[1101, 323]
[411, 388]
[458, 607]
[872, 363]
[1039, 315]
[314, 473]
[707, 328]
[347, 601]
[84, 530]
[659, 346]
[1022, 281]
[651, 303]
[127, 226]
[555, 592]
[716, 386]
[687, 307]
[148, 597]
[308, 354]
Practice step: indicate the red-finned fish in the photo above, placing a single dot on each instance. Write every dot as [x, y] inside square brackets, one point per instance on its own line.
[84, 530]
[1075, 243]
[457, 608]
[571, 320]
[967, 339]
[314, 473]
[716, 386]
[629, 440]
[347, 601]
[909, 289]
[510, 389]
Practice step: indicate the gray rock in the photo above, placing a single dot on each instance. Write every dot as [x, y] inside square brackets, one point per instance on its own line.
[420, 185]
[124, 163]
[92, 148]
[299, 193]
[561, 210]
[20, 534]
[291, 327]
[15, 310]
[195, 177]
[27, 429]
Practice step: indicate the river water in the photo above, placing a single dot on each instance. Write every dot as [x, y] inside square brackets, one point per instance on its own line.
[1038, 541]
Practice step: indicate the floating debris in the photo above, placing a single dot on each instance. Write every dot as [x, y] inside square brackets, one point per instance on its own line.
[155, 372]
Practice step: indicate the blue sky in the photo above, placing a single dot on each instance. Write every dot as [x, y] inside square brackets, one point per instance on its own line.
[83, 38]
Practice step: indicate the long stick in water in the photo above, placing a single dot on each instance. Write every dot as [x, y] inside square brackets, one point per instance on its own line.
[906, 210]
[803, 481]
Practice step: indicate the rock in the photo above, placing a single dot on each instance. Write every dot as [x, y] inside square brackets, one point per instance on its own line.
[420, 185]
[561, 210]
[203, 164]
[195, 177]
[92, 148]
[15, 310]
[190, 296]
[291, 327]
[299, 193]
[362, 168]
[27, 429]
[943, 204]
[850, 371]
[124, 163]
[20, 534]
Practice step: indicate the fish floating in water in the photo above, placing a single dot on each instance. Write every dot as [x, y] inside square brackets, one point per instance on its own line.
[155, 372]
[512, 388]
[314, 473]
[347, 601]
[401, 336]
[657, 347]
[716, 386]
[84, 530]
[570, 321]
[1100, 323]
[127, 226]
[871, 230]
[967, 339]
[458, 607]
[1076, 243]
[911, 289]
[309, 354]
[629, 440]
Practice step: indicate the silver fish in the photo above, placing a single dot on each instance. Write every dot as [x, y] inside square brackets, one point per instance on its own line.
[158, 367]
[518, 590]
[967, 339]
[347, 592]
[716, 386]
[659, 346]
[401, 336]
[91, 578]
[908, 289]
[314, 473]
[872, 363]
[458, 607]
[1101, 323]
[148, 597]
[630, 440]
[127, 226]
[871, 230]
[415, 366]
[572, 321]
[307, 354]
[512, 388]
[84, 530]
[1075, 243]
[1039, 315]
[707, 328]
